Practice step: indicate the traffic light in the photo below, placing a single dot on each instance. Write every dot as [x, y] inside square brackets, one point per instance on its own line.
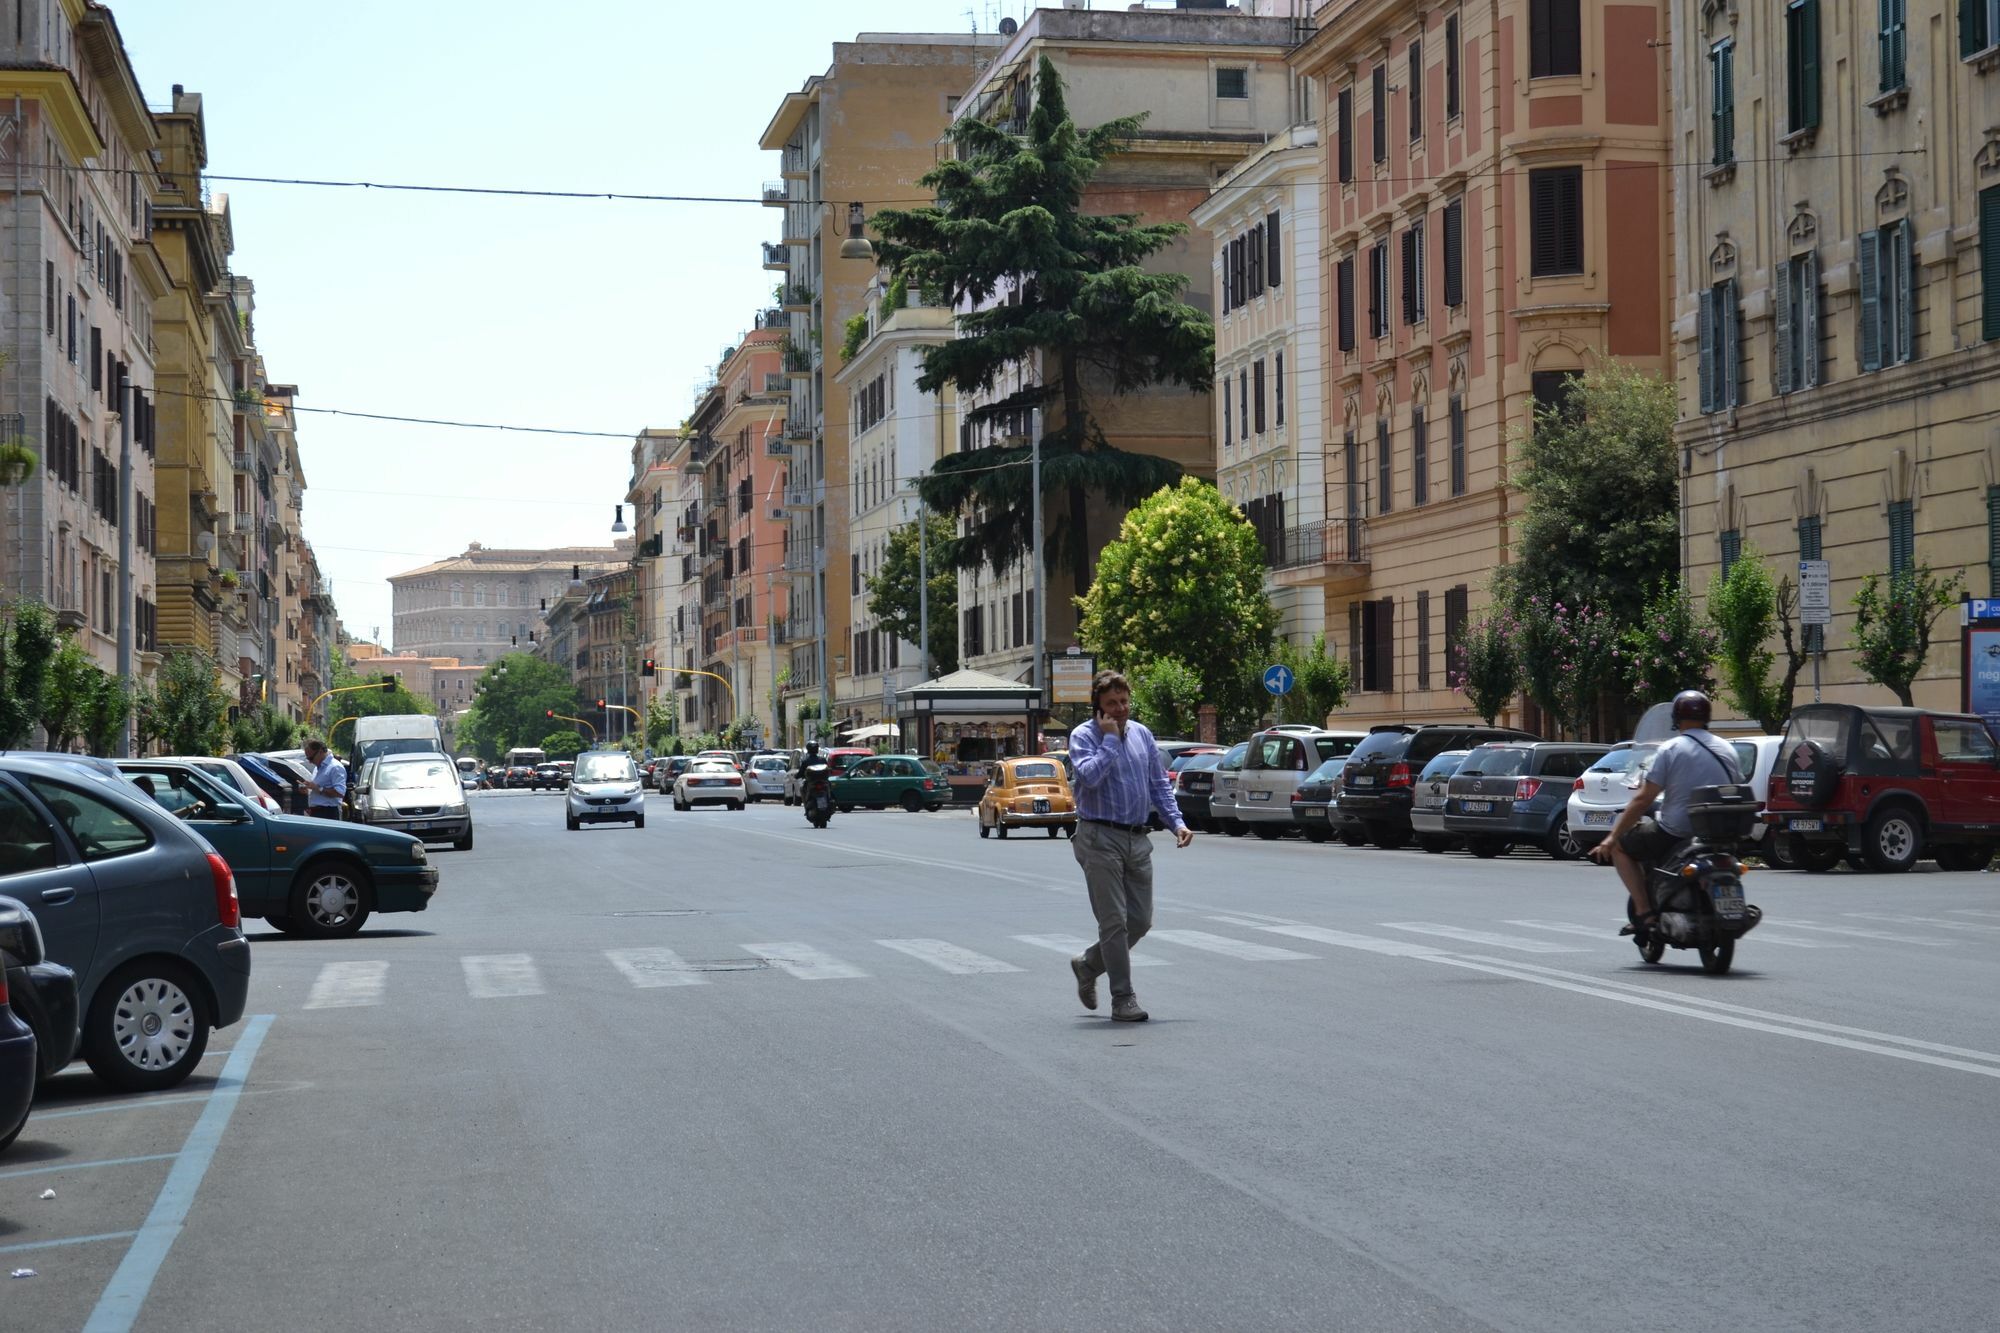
[600, 703]
[646, 667]
[388, 684]
[548, 712]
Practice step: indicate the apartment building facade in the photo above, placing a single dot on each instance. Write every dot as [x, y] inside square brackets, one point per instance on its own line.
[896, 432]
[82, 283]
[484, 603]
[850, 141]
[1496, 215]
[1214, 86]
[1838, 303]
[654, 485]
[1270, 449]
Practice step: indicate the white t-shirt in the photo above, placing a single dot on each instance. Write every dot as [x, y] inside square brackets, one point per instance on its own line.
[1694, 758]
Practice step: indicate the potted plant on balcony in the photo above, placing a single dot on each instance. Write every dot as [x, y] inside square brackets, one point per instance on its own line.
[227, 578]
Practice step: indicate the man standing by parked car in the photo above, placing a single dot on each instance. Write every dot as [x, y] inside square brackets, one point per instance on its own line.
[329, 782]
[1119, 779]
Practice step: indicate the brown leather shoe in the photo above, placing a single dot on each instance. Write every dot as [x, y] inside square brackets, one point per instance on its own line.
[1086, 981]
[1125, 1009]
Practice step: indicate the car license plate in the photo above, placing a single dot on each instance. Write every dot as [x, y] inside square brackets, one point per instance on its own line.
[1359, 781]
[1312, 812]
[1476, 807]
[1597, 818]
[1041, 807]
[1260, 796]
[1804, 825]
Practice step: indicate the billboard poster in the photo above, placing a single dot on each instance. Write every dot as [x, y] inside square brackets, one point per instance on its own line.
[1982, 673]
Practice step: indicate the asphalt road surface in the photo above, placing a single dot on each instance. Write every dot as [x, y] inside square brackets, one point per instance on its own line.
[729, 1072]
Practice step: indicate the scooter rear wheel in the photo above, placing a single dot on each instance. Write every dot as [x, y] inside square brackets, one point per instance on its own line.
[1716, 958]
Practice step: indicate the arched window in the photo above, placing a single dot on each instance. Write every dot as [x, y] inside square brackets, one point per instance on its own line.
[457, 593]
[457, 630]
[479, 594]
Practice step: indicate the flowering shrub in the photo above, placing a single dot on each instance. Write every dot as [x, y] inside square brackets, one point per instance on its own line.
[1670, 649]
[1486, 666]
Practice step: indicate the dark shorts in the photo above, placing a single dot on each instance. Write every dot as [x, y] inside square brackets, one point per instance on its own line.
[325, 812]
[1647, 843]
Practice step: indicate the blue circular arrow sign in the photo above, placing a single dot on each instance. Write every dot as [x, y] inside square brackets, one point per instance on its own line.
[1278, 679]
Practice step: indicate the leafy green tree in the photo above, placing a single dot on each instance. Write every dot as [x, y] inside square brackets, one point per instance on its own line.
[1600, 526]
[513, 706]
[561, 745]
[1744, 607]
[261, 728]
[1487, 665]
[104, 714]
[28, 644]
[663, 718]
[736, 735]
[72, 684]
[892, 592]
[1167, 695]
[1671, 649]
[366, 703]
[1184, 579]
[1319, 679]
[1893, 622]
[1083, 315]
[191, 709]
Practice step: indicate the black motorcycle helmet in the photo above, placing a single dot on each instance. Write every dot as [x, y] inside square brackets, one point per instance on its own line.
[1691, 706]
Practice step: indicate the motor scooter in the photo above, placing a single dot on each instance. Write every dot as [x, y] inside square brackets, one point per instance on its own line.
[816, 792]
[1697, 890]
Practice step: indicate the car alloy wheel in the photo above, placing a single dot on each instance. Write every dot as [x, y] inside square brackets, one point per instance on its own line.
[331, 901]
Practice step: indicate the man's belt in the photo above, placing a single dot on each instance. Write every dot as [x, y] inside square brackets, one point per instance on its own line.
[1127, 828]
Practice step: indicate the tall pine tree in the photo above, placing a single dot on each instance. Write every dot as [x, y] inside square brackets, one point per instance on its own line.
[1058, 293]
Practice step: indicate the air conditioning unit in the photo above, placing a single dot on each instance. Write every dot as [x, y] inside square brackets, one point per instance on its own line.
[777, 512]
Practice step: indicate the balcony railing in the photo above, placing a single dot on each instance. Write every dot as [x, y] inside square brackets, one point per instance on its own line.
[777, 255]
[773, 318]
[775, 194]
[777, 446]
[1337, 541]
[798, 360]
[777, 383]
[798, 297]
[798, 430]
[793, 162]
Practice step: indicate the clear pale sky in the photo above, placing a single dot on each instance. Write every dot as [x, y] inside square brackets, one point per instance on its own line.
[584, 314]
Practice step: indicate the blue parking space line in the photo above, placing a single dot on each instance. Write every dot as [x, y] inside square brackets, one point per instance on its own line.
[134, 1104]
[118, 1308]
[66, 1240]
[87, 1166]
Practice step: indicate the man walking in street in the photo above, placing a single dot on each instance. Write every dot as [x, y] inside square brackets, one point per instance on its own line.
[1119, 779]
[329, 784]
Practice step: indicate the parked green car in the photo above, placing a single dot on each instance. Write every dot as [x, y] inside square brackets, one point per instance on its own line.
[891, 779]
[315, 877]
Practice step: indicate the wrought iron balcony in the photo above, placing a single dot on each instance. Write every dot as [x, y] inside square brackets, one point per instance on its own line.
[798, 430]
[777, 383]
[777, 255]
[1317, 550]
[775, 194]
[798, 298]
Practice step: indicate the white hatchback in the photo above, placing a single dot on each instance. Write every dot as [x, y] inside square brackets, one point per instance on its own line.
[1606, 786]
[709, 782]
[768, 775]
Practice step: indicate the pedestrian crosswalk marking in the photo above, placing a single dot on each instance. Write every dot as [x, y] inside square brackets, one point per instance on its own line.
[1938, 921]
[1492, 939]
[948, 957]
[804, 962]
[1339, 938]
[1859, 933]
[1231, 948]
[348, 985]
[1076, 944]
[498, 975]
[1598, 933]
[648, 968]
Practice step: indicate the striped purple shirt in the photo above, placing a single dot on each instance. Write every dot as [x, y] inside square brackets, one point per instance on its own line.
[1117, 780]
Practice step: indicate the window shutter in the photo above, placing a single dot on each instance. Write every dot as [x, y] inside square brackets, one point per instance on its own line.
[1538, 38]
[1346, 128]
[1902, 538]
[1989, 262]
[1228, 425]
[1905, 277]
[1807, 331]
[1278, 386]
[1450, 66]
[1423, 640]
[1807, 33]
[1705, 331]
[1385, 466]
[1257, 380]
[1273, 262]
[1415, 89]
[1243, 404]
[1972, 36]
[1787, 335]
[1868, 254]
[1354, 671]
[1385, 642]
[1993, 541]
[1730, 381]
[1420, 457]
[1410, 238]
[1253, 248]
[1379, 100]
[1456, 417]
[1375, 297]
[1344, 284]
[1454, 253]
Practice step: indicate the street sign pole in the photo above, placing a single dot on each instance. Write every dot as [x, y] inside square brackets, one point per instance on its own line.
[1815, 605]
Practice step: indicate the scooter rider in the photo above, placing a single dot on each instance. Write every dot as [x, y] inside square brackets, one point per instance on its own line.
[1637, 841]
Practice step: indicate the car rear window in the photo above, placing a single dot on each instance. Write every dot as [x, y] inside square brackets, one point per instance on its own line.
[1443, 766]
[1328, 771]
[1827, 730]
[1035, 772]
[1496, 761]
[1382, 745]
[1234, 759]
[1334, 747]
[1618, 761]
[1201, 762]
[1561, 763]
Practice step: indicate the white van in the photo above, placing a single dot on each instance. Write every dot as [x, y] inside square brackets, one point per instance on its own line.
[399, 733]
[1274, 765]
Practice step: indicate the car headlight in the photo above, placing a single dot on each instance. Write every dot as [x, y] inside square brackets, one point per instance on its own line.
[455, 808]
[417, 853]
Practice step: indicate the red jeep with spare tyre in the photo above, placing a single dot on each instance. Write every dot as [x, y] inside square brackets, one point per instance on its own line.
[1886, 788]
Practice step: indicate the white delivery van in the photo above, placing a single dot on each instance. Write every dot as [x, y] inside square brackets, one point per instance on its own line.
[398, 733]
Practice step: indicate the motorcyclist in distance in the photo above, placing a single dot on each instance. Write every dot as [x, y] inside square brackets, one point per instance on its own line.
[1693, 758]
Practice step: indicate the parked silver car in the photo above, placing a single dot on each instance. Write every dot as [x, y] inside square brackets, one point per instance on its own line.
[1427, 801]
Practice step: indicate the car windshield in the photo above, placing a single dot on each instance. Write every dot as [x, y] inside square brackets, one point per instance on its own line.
[1034, 772]
[1496, 761]
[415, 773]
[1234, 759]
[1201, 763]
[605, 768]
[1443, 766]
[1327, 771]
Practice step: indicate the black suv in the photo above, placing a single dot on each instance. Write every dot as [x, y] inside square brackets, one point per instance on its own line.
[1380, 779]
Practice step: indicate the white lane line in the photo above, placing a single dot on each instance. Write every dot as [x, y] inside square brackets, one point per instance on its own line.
[1076, 944]
[804, 962]
[1725, 1006]
[348, 985]
[1794, 1028]
[1598, 933]
[947, 957]
[87, 1166]
[496, 976]
[1860, 934]
[1489, 938]
[1338, 938]
[648, 968]
[1970, 911]
[1942, 923]
[24, 1246]
[1231, 948]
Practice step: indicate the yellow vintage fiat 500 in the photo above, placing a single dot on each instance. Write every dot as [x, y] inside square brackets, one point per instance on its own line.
[1028, 792]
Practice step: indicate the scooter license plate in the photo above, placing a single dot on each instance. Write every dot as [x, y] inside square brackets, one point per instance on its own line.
[1728, 900]
[1804, 825]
